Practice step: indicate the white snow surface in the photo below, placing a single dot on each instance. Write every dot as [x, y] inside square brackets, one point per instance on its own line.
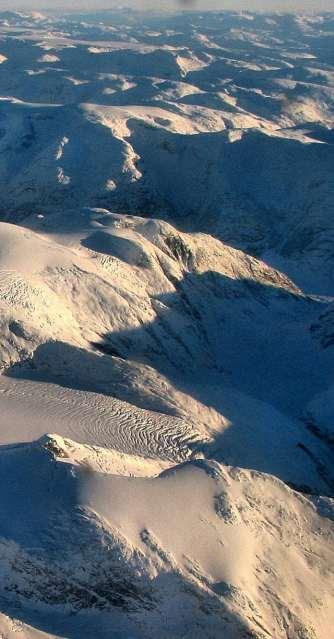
[166, 313]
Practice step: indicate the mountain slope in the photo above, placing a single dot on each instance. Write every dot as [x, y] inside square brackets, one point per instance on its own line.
[166, 308]
[106, 542]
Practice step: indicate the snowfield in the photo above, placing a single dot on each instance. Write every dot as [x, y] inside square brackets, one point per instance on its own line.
[167, 312]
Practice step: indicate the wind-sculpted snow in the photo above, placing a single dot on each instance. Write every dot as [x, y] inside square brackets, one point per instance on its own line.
[166, 308]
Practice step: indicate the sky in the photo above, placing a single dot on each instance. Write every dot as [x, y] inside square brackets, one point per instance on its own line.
[288, 5]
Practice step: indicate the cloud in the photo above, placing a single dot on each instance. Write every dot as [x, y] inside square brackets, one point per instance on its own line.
[269, 5]
[187, 3]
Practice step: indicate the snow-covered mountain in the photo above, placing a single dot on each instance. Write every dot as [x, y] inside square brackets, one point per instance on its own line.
[78, 538]
[166, 297]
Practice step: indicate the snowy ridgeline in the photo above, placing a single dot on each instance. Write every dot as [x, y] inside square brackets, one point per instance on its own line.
[166, 308]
